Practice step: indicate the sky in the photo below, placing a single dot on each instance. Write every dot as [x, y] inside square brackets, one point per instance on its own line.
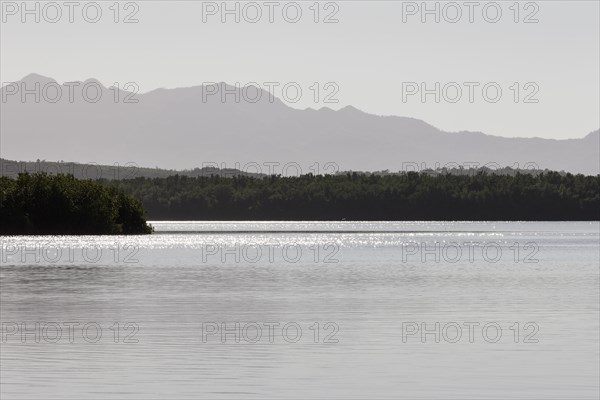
[530, 69]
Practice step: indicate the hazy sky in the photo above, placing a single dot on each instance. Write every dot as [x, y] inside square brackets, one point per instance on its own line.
[370, 54]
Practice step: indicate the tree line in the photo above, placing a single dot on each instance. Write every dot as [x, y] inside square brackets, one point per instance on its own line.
[353, 196]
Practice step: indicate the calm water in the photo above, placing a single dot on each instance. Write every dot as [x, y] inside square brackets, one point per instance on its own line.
[324, 310]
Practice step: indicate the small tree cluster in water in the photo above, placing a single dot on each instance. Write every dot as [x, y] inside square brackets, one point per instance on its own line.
[44, 204]
[409, 196]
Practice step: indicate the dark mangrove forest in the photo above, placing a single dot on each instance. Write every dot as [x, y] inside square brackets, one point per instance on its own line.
[60, 204]
[45, 204]
[353, 196]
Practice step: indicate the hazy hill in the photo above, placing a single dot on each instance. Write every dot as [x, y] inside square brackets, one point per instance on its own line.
[12, 169]
[180, 128]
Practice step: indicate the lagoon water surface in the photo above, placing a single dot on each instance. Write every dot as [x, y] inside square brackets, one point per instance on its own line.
[304, 310]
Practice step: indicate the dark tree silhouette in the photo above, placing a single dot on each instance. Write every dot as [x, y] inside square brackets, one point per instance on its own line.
[409, 196]
[61, 204]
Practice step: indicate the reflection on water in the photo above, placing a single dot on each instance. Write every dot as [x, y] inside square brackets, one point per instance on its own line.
[343, 310]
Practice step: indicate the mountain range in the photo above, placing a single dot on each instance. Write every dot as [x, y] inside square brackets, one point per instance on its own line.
[184, 128]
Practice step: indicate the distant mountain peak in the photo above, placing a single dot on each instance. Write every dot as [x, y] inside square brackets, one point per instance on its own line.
[34, 78]
[94, 81]
[326, 109]
[350, 109]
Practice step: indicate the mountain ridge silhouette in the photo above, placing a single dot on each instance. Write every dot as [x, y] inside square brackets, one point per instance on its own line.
[184, 127]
